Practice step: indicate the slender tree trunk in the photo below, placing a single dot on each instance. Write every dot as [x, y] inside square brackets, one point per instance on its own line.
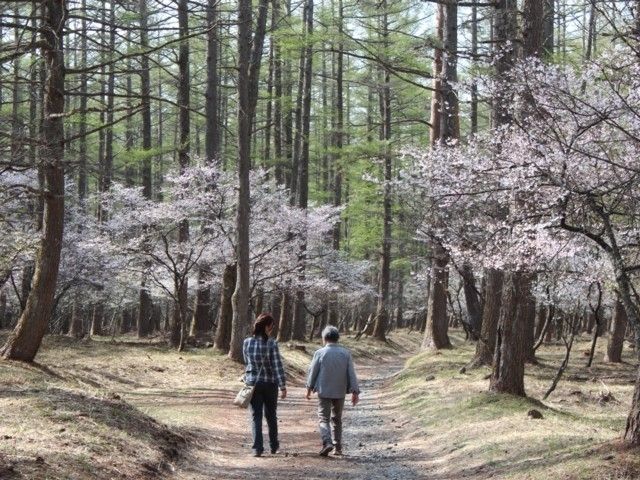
[548, 28]
[338, 134]
[278, 99]
[474, 60]
[212, 134]
[76, 325]
[223, 330]
[247, 84]
[82, 141]
[632, 431]
[302, 185]
[145, 304]
[382, 309]
[436, 94]
[97, 319]
[24, 341]
[3, 309]
[529, 311]
[178, 330]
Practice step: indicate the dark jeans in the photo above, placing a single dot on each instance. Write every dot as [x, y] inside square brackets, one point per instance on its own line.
[265, 396]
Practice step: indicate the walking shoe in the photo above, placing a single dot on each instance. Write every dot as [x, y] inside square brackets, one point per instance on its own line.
[275, 451]
[338, 449]
[257, 453]
[326, 449]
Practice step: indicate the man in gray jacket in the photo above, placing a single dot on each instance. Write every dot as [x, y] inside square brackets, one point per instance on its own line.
[332, 375]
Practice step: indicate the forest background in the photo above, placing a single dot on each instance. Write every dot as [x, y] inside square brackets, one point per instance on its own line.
[171, 168]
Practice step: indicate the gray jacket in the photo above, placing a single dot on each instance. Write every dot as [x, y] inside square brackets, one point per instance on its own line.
[332, 374]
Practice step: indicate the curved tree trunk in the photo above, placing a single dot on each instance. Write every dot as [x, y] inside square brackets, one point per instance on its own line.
[23, 343]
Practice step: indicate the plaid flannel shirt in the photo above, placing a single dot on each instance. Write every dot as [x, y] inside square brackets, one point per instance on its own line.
[259, 353]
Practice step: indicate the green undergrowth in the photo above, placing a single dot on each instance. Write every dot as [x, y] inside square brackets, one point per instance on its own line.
[474, 433]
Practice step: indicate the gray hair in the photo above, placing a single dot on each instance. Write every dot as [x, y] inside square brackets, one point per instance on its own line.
[330, 334]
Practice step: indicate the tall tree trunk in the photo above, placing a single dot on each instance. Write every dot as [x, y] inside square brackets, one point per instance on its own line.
[247, 84]
[76, 325]
[212, 134]
[284, 327]
[302, 185]
[474, 308]
[225, 316]
[278, 99]
[24, 341]
[145, 304]
[179, 326]
[82, 147]
[529, 312]
[449, 118]
[97, 319]
[490, 317]
[509, 357]
[201, 322]
[632, 431]
[474, 64]
[436, 336]
[3, 309]
[616, 334]
[338, 134]
[549, 16]
[382, 309]
[436, 94]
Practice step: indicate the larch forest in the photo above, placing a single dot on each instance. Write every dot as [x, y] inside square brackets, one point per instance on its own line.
[453, 184]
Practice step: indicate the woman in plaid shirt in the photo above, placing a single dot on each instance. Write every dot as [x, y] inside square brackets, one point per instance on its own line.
[264, 370]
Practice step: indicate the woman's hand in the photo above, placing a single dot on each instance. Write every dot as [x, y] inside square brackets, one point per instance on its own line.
[283, 393]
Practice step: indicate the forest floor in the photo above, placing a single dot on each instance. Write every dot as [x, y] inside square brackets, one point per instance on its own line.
[122, 408]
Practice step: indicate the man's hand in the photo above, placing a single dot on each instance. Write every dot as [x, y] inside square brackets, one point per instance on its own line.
[283, 393]
[308, 395]
[354, 398]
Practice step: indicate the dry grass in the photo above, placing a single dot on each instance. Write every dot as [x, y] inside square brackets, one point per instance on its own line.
[126, 409]
[92, 408]
[473, 433]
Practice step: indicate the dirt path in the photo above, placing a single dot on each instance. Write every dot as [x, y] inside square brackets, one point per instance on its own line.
[377, 443]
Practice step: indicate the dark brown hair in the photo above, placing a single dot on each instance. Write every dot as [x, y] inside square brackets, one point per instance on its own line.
[263, 321]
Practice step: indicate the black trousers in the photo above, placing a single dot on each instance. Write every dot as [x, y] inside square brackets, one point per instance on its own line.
[265, 399]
